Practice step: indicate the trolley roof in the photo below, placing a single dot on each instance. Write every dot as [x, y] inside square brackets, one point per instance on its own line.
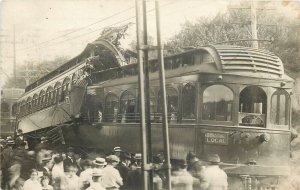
[245, 59]
[227, 59]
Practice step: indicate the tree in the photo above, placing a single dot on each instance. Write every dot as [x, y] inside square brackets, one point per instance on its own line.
[152, 54]
[282, 31]
[32, 71]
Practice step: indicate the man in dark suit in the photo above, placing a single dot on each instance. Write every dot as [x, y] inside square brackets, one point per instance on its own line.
[70, 160]
[47, 163]
[20, 138]
[123, 167]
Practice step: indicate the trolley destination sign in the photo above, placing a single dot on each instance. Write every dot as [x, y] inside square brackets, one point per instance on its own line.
[219, 138]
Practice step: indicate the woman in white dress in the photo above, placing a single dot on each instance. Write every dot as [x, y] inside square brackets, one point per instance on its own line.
[33, 182]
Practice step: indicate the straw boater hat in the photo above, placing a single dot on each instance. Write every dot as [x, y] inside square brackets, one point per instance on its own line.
[138, 156]
[117, 149]
[100, 162]
[46, 159]
[9, 140]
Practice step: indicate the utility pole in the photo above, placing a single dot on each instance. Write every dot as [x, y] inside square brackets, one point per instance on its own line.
[254, 24]
[140, 51]
[162, 81]
[253, 10]
[12, 42]
[27, 75]
[147, 93]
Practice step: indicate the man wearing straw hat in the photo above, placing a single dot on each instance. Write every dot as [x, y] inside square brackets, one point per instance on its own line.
[111, 176]
[213, 178]
[46, 168]
[117, 151]
[135, 176]
[99, 163]
[96, 184]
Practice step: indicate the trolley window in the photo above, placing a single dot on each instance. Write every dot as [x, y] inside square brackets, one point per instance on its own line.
[172, 105]
[14, 110]
[41, 98]
[127, 108]
[188, 103]
[152, 105]
[57, 93]
[279, 108]
[4, 109]
[28, 105]
[252, 107]
[74, 78]
[217, 103]
[111, 108]
[65, 89]
[23, 108]
[49, 96]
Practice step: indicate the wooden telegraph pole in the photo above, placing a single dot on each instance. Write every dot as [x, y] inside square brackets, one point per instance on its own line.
[254, 24]
[147, 93]
[144, 95]
[164, 95]
[140, 51]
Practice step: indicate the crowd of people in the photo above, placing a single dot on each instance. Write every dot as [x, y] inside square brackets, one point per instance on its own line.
[66, 168]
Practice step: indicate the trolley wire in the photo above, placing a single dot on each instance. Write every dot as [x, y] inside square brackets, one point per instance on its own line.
[101, 28]
[169, 13]
[81, 28]
[43, 44]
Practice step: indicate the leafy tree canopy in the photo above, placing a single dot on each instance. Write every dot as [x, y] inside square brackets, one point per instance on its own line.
[282, 34]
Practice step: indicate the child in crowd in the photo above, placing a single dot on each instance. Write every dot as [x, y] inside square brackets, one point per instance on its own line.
[33, 182]
[45, 183]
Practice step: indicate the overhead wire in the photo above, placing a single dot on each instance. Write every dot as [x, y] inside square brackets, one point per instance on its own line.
[81, 28]
[115, 23]
[87, 33]
[127, 19]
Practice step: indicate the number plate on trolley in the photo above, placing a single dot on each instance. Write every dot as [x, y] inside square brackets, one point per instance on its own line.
[219, 138]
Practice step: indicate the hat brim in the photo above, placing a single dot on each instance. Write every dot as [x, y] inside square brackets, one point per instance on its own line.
[10, 142]
[118, 150]
[99, 164]
[46, 159]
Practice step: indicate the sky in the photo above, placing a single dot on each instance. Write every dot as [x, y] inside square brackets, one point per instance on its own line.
[54, 28]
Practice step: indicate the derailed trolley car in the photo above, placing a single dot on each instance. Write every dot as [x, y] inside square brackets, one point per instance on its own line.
[230, 100]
